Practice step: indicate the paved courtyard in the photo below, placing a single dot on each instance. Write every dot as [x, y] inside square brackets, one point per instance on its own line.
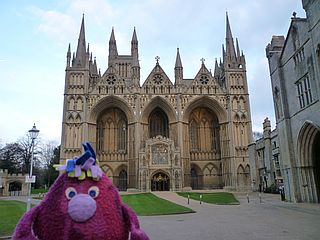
[270, 219]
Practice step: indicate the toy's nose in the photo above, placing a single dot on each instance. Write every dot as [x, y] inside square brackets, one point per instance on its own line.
[81, 207]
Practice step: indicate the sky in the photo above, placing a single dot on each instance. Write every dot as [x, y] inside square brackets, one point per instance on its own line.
[35, 36]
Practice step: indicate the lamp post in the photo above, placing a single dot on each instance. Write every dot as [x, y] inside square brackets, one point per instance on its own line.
[33, 133]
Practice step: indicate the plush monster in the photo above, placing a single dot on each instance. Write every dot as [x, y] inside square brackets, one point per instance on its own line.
[81, 204]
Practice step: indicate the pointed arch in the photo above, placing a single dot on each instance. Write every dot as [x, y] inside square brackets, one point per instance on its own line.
[236, 117]
[78, 118]
[161, 180]
[306, 138]
[112, 131]
[194, 135]
[247, 175]
[207, 102]
[161, 103]
[79, 104]
[71, 103]
[211, 176]
[120, 178]
[122, 135]
[110, 102]
[158, 123]
[308, 164]
[241, 176]
[70, 118]
[247, 169]
[242, 102]
[203, 132]
[235, 103]
[196, 175]
[107, 170]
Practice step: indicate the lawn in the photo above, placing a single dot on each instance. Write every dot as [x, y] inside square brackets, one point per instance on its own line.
[10, 213]
[39, 190]
[144, 204]
[147, 204]
[222, 198]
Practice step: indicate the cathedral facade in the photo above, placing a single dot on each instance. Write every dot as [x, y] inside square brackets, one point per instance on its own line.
[161, 135]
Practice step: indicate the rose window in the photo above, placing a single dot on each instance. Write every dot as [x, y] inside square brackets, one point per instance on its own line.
[111, 80]
[157, 79]
[204, 79]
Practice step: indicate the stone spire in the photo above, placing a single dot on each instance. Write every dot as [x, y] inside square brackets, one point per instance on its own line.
[81, 56]
[134, 48]
[230, 50]
[216, 73]
[113, 52]
[135, 60]
[178, 69]
[95, 68]
[178, 60]
[238, 49]
[68, 57]
[134, 41]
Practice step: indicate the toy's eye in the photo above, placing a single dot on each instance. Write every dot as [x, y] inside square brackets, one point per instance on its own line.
[71, 192]
[93, 191]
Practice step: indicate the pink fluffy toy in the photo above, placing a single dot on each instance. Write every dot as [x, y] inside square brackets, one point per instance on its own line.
[81, 204]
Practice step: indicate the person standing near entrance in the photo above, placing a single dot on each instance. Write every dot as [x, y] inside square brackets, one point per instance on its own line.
[281, 190]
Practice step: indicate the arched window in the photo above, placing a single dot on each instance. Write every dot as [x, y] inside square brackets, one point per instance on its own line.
[215, 136]
[194, 136]
[194, 179]
[123, 180]
[122, 129]
[277, 103]
[204, 131]
[112, 131]
[158, 123]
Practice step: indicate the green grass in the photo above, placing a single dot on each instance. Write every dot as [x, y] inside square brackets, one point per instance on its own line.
[147, 204]
[222, 198]
[10, 213]
[39, 190]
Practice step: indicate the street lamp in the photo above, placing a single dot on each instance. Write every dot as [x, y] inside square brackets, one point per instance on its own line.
[33, 133]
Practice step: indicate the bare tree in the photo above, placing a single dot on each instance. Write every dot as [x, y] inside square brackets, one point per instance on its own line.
[25, 143]
[47, 155]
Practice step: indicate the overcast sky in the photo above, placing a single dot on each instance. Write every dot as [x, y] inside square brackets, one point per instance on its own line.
[35, 37]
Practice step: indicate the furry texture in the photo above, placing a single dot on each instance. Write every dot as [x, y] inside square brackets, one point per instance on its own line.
[111, 220]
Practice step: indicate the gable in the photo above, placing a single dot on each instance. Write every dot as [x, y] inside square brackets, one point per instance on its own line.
[157, 77]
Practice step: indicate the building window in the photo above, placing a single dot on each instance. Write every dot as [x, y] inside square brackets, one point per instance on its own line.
[112, 131]
[194, 136]
[122, 129]
[304, 92]
[277, 103]
[158, 124]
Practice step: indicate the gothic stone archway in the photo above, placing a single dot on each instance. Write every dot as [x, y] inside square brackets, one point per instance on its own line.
[160, 181]
[309, 164]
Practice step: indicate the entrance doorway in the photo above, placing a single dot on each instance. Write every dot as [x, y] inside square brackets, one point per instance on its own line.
[160, 182]
[123, 181]
[316, 164]
[15, 188]
[194, 179]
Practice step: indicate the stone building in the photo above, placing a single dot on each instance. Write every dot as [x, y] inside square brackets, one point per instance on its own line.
[12, 184]
[163, 134]
[294, 64]
[264, 158]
